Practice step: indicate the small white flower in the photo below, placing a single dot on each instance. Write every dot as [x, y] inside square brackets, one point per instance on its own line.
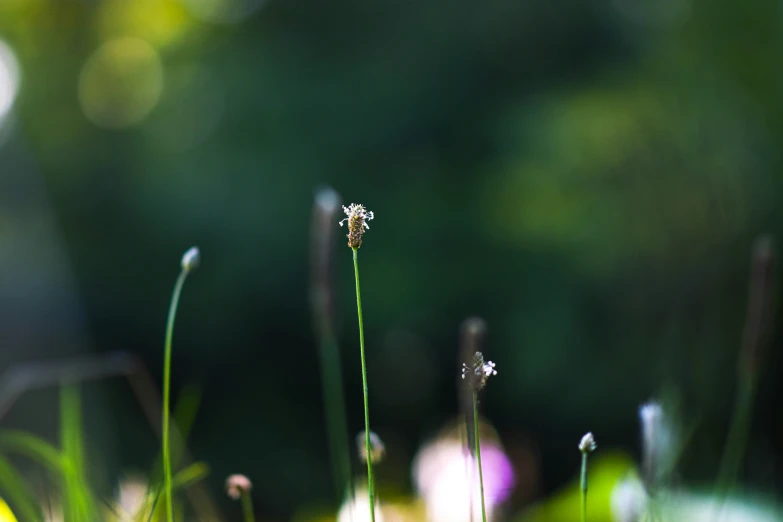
[587, 444]
[479, 372]
[357, 211]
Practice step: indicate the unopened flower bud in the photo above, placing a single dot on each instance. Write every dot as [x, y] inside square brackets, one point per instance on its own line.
[587, 444]
[238, 485]
[377, 448]
[191, 259]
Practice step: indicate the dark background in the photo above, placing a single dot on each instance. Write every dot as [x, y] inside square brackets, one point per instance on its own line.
[588, 176]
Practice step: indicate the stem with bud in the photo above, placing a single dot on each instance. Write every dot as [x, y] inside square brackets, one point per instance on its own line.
[189, 262]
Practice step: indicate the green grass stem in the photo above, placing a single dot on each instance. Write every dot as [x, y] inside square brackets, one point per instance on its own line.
[583, 487]
[247, 507]
[370, 482]
[167, 395]
[478, 454]
[737, 439]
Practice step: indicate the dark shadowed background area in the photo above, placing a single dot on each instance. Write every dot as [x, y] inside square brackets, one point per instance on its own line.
[587, 176]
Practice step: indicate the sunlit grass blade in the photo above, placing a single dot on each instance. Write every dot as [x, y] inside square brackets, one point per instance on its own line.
[77, 498]
[14, 489]
[184, 416]
[185, 413]
[33, 447]
[154, 504]
[190, 475]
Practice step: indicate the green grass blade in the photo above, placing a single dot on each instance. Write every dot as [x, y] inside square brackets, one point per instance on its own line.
[184, 416]
[155, 504]
[190, 475]
[14, 489]
[32, 447]
[77, 498]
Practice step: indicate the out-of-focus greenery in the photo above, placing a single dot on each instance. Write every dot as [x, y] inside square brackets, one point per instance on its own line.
[588, 176]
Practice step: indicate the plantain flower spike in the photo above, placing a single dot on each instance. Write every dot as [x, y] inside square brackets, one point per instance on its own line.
[479, 372]
[237, 485]
[587, 444]
[357, 219]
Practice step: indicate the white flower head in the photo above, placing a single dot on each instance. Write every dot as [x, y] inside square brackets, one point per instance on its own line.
[479, 372]
[357, 219]
[587, 444]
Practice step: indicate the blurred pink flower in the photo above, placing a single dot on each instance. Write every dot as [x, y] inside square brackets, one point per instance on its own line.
[446, 477]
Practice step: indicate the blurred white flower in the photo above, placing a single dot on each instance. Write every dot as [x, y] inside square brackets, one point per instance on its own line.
[130, 499]
[358, 510]
[628, 500]
[658, 444]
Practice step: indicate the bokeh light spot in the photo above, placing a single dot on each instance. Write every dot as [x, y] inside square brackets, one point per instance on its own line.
[160, 22]
[121, 83]
[9, 79]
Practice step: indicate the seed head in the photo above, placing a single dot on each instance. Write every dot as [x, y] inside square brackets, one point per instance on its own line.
[479, 372]
[357, 219]
[191, 259]
[237, 485]
[377, 447]
[587, 444]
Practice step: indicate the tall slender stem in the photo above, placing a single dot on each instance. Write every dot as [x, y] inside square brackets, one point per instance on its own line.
[334, 404]
[738, 435]
[478, 454]
[370, 482]
[167, 393]
[247, 507]
[583, 486]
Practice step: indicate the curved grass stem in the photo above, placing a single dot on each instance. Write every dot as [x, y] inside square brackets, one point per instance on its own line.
[167, 394]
